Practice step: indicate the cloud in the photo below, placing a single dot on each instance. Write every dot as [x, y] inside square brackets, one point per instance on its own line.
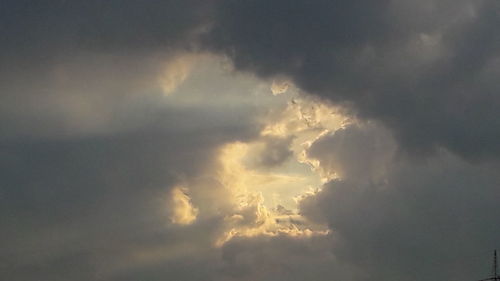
[70, 68]
[176, 72]
[279, 86]
[76, 96]
[183, 211]
[94, 198]
[402, 218]
[108, 198]
[357, 153]
[416, 68]
[94, 204]
[271, 152]
[278, 258]
[109, 109]
[43, 31]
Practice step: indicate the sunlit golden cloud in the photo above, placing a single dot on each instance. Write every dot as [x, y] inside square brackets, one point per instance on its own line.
[267, 196]
[255, 186]
[183, 212]
[279, 86]
[176, 71]
[307, 120]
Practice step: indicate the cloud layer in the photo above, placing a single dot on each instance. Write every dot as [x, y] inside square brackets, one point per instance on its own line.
[249, 140]
[405, 219]
[418, 68]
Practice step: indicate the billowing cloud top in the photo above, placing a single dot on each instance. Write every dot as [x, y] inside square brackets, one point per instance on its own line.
[249, 140]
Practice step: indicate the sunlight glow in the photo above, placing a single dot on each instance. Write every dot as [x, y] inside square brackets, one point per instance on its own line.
[183, 212]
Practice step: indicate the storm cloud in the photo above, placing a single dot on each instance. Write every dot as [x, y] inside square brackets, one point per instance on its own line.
[158, 140]
[405, 219]
[427, 70]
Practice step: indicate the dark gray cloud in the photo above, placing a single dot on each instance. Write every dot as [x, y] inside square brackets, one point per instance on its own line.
[417, 68]
[404, 219]
[53, 28]
[69, 67]
[354, 153]
[280, 258]
[81, 201]
[426, 70]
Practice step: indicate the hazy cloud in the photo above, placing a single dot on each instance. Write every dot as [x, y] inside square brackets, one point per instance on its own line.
[129, 150]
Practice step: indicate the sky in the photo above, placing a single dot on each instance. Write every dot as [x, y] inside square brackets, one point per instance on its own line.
[224, 140]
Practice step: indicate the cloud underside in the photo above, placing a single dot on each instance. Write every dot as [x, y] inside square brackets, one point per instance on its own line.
[249, 140]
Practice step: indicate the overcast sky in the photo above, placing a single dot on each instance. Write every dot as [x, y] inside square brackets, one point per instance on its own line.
[270, 140]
